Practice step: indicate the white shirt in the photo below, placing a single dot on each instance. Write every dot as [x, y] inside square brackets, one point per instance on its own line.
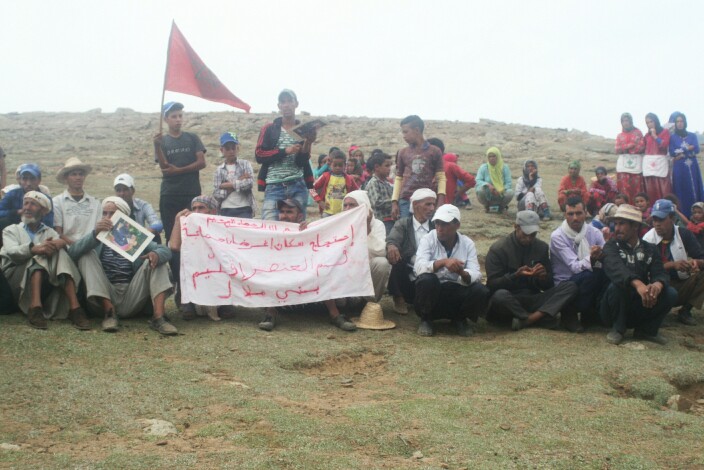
[76, 218]
[420, 230]
[430, 250]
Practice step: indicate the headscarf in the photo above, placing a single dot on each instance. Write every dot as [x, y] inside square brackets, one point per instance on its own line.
[211, 202]
[120, 203]
[574, 164]
[630, 118]
[653, 117]
[39, 198]
[526, 175]
[683, 132]
[422, 193]
[496, 172]
[361, 197]
[450, 158]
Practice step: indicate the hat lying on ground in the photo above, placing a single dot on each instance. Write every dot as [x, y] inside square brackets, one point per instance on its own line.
[629, 212]
[372, 318]
[72, 164]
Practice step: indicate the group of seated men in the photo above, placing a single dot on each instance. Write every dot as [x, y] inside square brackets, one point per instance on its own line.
[628, 282]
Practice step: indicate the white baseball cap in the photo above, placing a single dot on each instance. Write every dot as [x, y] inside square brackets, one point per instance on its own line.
[447, 213]
[124, 179]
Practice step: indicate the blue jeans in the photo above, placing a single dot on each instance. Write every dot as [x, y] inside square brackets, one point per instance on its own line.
[404, 208]
[241, 212]
[276, 192]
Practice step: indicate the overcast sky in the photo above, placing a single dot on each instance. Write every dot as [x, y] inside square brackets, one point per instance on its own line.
[568, 64]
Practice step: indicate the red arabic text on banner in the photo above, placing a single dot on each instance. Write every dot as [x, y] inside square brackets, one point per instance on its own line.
[263, 263]
[186, 73]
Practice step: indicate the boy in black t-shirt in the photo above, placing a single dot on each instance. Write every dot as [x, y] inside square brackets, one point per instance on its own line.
[181, 156]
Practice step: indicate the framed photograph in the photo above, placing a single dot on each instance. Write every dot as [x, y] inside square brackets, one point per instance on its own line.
[127, 237]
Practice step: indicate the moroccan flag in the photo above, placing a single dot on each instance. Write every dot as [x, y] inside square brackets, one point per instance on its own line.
[186, 73]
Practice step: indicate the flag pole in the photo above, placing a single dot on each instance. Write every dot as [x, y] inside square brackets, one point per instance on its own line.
[166, 71]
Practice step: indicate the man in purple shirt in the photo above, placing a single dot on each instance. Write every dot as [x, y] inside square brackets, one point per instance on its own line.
[575, 254]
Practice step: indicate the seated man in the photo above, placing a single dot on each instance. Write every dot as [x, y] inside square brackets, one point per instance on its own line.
[200, 205]
[290, 210]
[12, 205]
[682, 258]
[75, 211]
[519, 274]
[449, 277]
[575, 254]
[118, 287]
[376, 241]
[639, 296]
[38, 268]
[402, 244]
[140, 210]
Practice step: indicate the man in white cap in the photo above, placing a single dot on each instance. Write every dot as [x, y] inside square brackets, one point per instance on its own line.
[140, 210]
[639, 296]
[34, 261]
[118, 287]
[449, 277]
[519, 275]
[402, 244]
[75, 211]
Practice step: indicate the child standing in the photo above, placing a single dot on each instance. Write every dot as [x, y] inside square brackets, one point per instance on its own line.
[233, 180]
[379, 189]
[696, 222]
[332, 187]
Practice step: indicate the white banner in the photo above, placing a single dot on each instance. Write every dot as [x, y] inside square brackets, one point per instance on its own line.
[264, 263]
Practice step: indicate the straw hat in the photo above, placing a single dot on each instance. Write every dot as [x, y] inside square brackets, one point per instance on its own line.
[71, 164]
[372, 318]
[629, 212]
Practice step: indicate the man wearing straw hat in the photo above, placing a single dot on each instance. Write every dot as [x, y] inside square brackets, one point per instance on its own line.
[639, 296]
[75, 211]
[449, 277]
[34, 261]
[117, 287]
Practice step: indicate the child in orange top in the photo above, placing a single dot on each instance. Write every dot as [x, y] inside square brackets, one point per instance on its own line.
[696, 222]
[332, 187]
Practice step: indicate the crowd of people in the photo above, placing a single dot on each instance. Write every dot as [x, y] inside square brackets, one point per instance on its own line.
[626, 268]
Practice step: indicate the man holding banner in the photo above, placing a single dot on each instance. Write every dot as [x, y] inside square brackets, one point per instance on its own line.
[290, 210]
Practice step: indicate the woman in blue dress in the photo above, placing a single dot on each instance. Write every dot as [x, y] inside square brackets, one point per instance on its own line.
[686, 175]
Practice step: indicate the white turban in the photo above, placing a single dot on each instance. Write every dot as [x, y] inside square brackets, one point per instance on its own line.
[39, 198]
[120, 203]
[361, 197]
[422, 193]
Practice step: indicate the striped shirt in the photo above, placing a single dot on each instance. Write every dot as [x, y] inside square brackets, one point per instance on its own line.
[286, 170]
[117, 268]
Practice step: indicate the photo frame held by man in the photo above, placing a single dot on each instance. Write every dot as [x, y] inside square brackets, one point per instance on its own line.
[127, 237]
